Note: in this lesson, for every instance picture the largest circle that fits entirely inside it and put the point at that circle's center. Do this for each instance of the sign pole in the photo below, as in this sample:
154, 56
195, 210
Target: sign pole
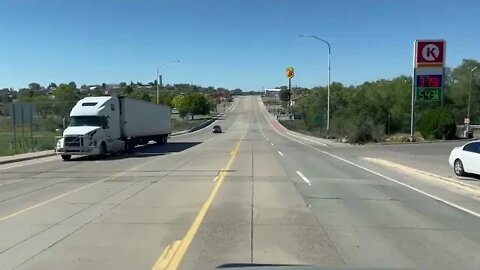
290, 97
22, 121
31, 125
290, 73
412, 109
14, 127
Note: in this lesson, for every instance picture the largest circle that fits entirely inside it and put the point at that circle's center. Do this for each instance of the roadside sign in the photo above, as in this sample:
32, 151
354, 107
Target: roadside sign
466, 121
429, 53
290, 72
429, 61
22, 113
428, 74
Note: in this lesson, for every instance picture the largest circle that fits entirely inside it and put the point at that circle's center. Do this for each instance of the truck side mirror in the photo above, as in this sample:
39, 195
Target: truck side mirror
65, 122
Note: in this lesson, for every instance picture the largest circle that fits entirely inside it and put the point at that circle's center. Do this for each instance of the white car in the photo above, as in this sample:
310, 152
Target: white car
466, 159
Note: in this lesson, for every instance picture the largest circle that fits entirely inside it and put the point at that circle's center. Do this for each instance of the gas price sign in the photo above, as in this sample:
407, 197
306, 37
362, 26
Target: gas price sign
428, 94
429, 87
429, 81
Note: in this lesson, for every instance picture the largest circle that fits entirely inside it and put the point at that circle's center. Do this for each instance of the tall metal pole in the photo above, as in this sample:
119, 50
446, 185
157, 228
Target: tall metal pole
158, 89
412, 109
470, 97
328, 92
328, 86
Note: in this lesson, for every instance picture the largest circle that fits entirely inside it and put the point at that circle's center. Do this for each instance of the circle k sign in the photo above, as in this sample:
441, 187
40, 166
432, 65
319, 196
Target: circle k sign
429, 53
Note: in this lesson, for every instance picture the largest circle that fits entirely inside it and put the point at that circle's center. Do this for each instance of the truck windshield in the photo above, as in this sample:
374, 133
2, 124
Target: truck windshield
95, 121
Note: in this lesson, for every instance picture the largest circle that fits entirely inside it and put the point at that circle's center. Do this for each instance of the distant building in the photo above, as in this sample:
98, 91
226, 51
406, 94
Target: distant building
272, 92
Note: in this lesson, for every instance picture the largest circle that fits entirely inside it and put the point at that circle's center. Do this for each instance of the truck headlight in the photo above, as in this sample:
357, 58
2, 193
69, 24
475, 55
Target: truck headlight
60, 143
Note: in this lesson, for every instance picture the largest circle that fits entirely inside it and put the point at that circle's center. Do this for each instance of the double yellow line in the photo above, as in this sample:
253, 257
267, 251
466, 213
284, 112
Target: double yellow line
173, 254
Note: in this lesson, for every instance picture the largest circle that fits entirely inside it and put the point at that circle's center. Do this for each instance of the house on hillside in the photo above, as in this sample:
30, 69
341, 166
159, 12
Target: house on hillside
296, 98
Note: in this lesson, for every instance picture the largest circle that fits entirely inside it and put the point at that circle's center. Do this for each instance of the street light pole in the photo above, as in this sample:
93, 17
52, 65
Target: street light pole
158, 76
328, 86
470, 97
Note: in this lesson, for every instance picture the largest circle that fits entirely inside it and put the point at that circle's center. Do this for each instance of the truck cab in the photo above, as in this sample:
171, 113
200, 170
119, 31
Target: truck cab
93, 128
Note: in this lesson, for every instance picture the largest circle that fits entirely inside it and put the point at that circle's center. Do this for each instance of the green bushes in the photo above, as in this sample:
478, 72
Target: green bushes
437, 124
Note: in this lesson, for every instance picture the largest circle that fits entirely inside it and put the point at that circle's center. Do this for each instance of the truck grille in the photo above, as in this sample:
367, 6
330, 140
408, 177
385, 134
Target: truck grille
73, 141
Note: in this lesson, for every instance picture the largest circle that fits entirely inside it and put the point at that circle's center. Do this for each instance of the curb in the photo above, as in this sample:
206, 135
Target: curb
178, 133
422, 142
26, 158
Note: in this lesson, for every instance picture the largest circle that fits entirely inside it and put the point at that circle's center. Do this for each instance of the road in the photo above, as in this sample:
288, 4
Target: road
250, 194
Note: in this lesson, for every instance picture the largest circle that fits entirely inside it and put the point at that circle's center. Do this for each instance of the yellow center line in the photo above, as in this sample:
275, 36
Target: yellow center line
173, 254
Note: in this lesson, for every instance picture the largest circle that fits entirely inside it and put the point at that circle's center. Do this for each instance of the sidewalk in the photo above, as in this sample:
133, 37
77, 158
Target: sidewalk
280, 128
26, 156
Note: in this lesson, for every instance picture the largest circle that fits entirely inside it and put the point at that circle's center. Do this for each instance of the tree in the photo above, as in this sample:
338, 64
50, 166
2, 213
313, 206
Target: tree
34, 86
5, 96
199, 104
192, 104
73, 85
52, 85
43, 104
284, 95
24, 95
65, 97
104, 86
127, 90
180, 103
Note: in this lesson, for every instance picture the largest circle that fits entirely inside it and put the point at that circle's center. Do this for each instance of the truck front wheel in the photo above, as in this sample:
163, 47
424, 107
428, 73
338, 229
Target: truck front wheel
103, 150
66, 157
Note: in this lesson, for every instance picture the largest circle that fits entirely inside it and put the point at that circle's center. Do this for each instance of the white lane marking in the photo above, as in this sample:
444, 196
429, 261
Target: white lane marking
307, 139
454, 205
271, 144
304, 178
280, 153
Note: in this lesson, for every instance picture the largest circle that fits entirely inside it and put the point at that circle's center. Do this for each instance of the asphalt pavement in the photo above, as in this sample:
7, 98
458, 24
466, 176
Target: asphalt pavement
253, 194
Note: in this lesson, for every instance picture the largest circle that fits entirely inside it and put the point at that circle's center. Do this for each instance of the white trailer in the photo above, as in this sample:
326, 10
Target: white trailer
100, 125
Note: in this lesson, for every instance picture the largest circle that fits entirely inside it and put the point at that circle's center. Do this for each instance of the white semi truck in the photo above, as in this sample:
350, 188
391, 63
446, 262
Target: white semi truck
101, 125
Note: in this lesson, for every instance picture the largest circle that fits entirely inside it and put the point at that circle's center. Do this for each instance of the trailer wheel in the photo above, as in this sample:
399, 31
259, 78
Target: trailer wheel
66, 157
128, 146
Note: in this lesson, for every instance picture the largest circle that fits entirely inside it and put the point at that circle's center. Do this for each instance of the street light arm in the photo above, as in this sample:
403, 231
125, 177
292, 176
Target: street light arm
168, 62
317, 38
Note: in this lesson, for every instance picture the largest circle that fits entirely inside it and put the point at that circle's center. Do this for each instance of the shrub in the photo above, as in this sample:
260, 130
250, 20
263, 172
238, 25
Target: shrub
437, 124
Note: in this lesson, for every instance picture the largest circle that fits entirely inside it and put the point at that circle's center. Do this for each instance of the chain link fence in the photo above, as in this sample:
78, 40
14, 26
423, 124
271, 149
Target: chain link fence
40, 135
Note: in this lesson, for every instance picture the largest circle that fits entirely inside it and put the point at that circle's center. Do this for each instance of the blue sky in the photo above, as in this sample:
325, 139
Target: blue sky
229, 43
